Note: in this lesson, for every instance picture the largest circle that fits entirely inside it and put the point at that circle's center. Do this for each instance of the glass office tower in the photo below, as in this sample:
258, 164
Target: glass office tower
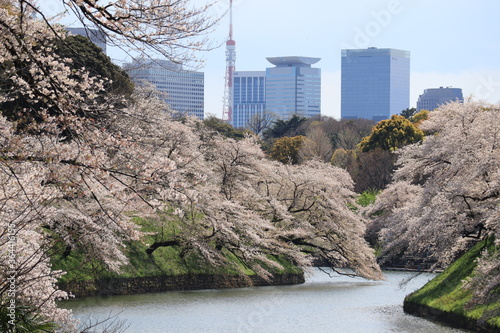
184, 88
375, 83
249, 99
432, 98
96, 36
293, 87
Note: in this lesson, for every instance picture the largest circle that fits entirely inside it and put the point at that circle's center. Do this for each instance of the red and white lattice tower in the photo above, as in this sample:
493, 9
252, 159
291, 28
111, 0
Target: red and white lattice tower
227, 111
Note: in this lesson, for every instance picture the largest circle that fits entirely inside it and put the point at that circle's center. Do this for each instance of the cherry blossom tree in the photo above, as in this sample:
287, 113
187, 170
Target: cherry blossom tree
446, 190
76, 167
240, 202
70, 170
172, 29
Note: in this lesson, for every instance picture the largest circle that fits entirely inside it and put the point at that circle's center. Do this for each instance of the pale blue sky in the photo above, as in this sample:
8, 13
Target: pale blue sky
452, 43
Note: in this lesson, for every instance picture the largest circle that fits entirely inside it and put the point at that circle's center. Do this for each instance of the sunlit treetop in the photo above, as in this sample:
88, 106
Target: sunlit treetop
392, 134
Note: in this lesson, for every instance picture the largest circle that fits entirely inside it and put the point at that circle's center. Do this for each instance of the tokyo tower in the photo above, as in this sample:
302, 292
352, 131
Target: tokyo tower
227, 111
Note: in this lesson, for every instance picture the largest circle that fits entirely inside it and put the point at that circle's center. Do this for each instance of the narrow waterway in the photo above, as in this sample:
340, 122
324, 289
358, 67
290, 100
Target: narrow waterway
323, 304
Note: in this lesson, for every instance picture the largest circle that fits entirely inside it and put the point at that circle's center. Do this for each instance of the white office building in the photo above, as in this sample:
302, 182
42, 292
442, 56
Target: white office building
184, 88
435, 97
293, 87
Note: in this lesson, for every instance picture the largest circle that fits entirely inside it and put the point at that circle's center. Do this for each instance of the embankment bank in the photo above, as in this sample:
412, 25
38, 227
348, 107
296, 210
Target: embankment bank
444, 298
169, 268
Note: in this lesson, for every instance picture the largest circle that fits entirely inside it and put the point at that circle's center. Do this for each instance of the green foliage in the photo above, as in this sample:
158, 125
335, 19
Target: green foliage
86, 54
281, 128
446, 292
408, 113
82, 53
391, 134
170, 260
326, 134
367, 197
286, 149
26, 320
415, 117
419, 117
223, 128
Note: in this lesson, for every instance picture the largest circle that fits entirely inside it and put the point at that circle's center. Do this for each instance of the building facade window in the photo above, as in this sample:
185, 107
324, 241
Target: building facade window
435, 97
293, 87
184, 89
375, 83
248, 97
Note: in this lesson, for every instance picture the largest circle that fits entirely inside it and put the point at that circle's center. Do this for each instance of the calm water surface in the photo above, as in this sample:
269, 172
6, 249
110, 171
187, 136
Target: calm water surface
322, 304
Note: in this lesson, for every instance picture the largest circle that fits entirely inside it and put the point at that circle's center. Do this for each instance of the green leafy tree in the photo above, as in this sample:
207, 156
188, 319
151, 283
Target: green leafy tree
281, 128
86, 54
78, 53
286, 149
408, 113
223, 128
418, 118
367, 197
391, 134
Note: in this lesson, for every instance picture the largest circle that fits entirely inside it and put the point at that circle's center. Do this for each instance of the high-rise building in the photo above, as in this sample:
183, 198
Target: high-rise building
375, 83
96, 36
433, 98
293, 87
248, 97
184, 88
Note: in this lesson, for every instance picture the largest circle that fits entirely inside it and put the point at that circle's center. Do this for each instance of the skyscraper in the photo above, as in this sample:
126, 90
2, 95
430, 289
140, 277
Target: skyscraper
432, 98
184, 88
248, 97
375, 83
293, 87
96, 36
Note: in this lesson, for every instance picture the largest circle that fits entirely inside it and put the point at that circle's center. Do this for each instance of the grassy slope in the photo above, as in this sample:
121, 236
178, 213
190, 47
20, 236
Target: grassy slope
445, 292
164, 261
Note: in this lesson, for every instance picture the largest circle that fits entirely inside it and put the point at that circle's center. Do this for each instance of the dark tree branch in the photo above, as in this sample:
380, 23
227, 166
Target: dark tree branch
156, 245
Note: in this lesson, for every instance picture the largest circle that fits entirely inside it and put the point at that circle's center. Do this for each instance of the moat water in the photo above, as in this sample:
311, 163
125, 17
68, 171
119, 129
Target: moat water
322, 304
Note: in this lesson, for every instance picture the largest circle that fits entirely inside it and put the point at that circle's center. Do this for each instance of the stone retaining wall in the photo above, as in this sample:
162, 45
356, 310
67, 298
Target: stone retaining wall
140, 285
